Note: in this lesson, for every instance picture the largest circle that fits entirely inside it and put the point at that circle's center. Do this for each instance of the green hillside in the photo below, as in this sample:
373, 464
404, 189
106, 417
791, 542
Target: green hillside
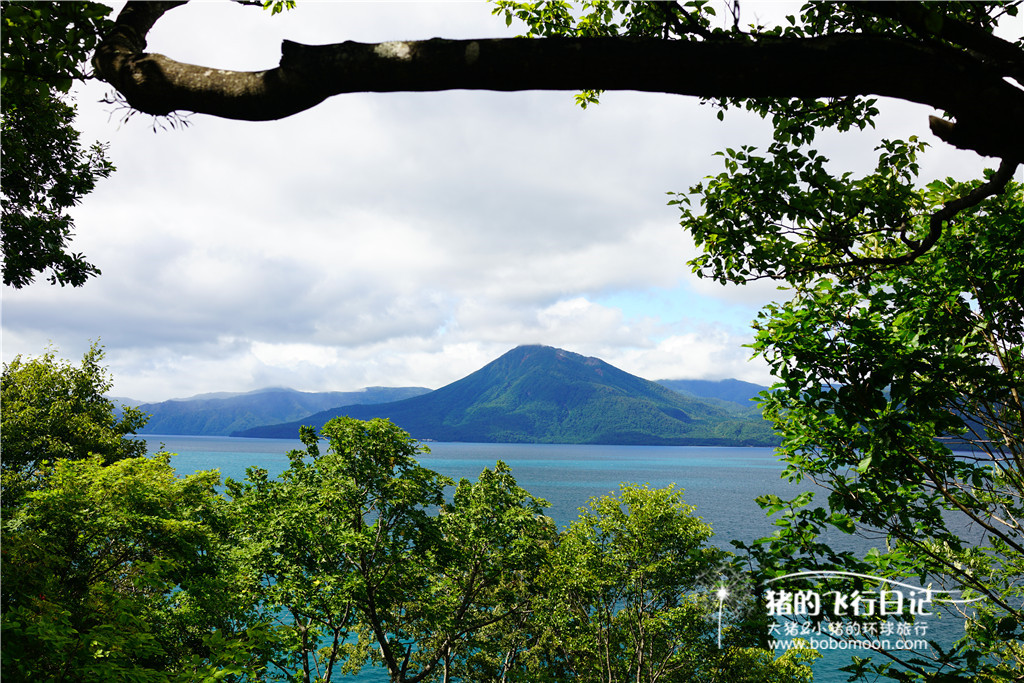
539, 394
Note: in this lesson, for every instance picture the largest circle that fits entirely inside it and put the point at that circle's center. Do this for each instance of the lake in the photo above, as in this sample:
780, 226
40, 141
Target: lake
721, 482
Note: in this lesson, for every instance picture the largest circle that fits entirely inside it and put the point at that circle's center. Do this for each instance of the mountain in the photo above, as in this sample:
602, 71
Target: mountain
732, 390
221, 414
539, 394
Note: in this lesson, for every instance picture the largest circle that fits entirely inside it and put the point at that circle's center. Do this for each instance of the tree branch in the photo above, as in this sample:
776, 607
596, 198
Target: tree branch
988, 109
925, 21
936, 222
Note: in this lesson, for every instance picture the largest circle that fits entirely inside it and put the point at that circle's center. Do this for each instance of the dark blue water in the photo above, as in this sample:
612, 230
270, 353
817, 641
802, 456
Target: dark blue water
721, 482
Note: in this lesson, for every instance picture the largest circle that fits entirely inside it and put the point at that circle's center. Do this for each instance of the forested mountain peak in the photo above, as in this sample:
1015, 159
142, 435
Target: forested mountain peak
542, 394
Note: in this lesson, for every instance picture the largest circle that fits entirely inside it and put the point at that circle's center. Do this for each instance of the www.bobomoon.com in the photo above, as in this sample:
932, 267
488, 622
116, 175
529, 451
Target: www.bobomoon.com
858, 644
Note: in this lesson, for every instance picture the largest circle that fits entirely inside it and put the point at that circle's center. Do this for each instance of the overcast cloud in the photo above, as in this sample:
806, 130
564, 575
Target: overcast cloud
400, 239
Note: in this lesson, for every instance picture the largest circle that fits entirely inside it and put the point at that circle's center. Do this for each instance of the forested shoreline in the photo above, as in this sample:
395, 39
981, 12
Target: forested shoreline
115, 568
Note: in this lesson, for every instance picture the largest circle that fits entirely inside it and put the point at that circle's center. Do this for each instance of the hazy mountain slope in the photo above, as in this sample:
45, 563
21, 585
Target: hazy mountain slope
732, 390
222, 414
544, 395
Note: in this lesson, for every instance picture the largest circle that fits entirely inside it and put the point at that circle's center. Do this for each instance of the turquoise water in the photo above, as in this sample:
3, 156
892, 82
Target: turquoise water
721, 482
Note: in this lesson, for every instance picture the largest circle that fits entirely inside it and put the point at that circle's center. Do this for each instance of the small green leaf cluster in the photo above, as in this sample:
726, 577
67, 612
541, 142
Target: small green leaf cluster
787, 216
278, 6
32, 55
609, 18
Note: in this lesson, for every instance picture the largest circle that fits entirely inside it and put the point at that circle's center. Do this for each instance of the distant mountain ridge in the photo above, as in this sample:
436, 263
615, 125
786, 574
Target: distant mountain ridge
732, 390
220, 414
540, 394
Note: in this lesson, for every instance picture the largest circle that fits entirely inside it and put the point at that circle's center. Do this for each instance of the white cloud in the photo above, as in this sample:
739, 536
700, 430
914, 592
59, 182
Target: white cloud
399, 239
708, 353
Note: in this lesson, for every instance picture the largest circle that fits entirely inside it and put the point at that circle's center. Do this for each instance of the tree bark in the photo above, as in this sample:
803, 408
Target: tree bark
987, 109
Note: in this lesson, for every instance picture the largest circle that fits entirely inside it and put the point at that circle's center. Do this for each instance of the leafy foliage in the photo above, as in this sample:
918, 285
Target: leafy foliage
631, 596
333, 535
46, 169
356, 556
115, 572
344, 553
900, 363
53, 410
901, 392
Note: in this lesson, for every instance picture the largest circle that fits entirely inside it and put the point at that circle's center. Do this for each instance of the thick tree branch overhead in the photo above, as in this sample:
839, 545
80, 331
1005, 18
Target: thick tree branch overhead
986, 106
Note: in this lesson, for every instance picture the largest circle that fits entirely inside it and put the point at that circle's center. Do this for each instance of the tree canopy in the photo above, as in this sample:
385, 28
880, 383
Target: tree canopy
53, 410
390, 572
900, 393
631, 586
119, 572
46, 170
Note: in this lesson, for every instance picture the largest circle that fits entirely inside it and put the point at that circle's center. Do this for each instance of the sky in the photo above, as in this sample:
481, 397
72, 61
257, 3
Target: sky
402, 239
